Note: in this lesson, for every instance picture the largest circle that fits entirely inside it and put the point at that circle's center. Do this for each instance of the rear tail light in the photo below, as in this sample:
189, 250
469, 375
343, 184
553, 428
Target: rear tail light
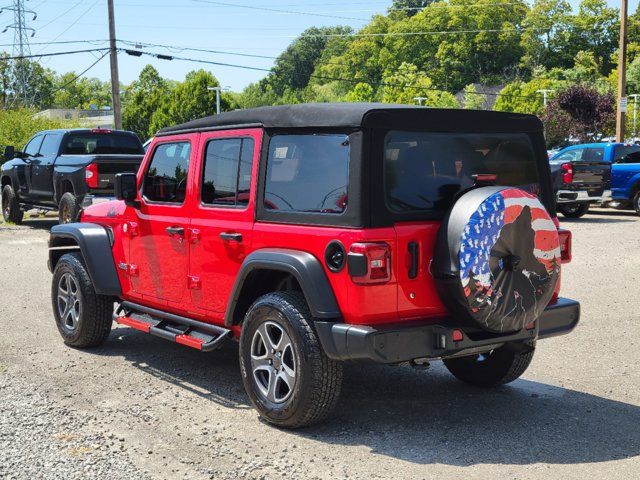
101, 130
567, 175
370, 263
91, 175
565, 245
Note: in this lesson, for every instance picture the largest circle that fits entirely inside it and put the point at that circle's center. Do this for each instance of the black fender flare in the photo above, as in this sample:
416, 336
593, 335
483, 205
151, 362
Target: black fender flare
94, 243
303, 266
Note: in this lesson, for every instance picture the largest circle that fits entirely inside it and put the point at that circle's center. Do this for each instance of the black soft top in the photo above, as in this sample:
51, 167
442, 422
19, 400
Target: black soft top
355, 115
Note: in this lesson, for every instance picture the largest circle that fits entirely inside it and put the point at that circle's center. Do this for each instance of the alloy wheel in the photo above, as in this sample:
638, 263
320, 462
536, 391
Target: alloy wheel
69, 303
273, 363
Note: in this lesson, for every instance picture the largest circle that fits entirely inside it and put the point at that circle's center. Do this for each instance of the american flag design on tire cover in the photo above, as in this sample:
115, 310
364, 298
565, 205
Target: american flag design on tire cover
509, 224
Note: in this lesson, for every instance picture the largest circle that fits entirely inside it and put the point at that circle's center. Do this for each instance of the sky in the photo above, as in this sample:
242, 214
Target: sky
236, 27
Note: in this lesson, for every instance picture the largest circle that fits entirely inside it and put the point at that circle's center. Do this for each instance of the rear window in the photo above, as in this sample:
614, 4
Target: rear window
307, 173
425, 171
89, 143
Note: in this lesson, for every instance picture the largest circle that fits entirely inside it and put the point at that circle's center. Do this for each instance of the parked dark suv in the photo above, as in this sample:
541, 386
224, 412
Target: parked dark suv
315, 234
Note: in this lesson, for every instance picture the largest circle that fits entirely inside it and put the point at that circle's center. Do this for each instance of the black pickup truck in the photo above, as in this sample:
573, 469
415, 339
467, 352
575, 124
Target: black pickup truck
65, 170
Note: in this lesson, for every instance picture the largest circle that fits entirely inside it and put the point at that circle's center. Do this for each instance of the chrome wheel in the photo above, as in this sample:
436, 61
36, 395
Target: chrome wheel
6, 209
273, 363
69, 305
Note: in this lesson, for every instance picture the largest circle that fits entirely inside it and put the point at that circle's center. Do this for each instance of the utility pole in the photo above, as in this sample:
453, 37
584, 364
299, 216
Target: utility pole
545, 92
622, 71
115, 81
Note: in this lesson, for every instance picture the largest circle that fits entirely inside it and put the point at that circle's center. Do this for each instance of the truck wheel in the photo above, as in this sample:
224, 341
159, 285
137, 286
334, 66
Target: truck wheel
574, 210
288, 377
68, 208
497, 367
10, 207
82, 316
636, 203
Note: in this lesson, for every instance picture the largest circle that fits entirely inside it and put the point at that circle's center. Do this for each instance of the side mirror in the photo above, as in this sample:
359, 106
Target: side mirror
9, 152
126, 188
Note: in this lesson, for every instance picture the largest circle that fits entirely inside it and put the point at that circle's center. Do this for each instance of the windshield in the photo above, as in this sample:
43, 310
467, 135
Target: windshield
94, 143
425, 171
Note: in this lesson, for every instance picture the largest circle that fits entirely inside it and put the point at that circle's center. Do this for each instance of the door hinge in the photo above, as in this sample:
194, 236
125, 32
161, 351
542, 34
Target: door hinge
193, 282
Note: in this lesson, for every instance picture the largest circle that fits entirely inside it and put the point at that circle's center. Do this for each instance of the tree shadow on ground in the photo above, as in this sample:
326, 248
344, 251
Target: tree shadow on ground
30, 224
422, 417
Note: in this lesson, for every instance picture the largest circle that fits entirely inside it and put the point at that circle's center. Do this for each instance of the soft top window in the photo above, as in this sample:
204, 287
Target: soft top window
307, 173
425, 171
89, 143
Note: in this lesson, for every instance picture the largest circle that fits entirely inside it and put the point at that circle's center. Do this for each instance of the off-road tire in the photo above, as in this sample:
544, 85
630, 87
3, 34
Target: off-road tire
11, 211
318, 378
95, 317
574, 212
636, 202
500, 366
68, 208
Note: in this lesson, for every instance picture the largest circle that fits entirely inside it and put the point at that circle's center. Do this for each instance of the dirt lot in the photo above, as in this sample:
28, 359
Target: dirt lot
140, 407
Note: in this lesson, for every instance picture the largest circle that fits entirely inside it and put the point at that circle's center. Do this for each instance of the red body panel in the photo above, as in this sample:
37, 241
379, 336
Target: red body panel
194, 276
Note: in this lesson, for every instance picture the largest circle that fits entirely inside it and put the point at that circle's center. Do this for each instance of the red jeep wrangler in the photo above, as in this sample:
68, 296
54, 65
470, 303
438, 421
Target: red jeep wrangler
315, 234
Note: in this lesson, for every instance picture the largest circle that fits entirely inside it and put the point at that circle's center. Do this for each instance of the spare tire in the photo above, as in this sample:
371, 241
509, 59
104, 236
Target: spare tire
497, 259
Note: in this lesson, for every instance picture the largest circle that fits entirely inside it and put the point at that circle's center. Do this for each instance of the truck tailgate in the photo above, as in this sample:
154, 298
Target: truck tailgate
109, 165
592, 176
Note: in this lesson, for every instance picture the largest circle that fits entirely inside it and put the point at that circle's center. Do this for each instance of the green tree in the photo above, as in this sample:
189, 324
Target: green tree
546, 34
407, 83
472, 99
144, 97
596, 29
188, 100
411, 7
362, 92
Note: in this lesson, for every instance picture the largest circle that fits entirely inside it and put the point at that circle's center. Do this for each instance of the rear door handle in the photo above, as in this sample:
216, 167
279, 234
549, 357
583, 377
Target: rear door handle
231, 237
179, 231
414, 258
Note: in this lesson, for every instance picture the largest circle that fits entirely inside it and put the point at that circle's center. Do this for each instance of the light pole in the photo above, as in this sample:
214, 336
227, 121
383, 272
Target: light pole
544, 93
218, 91
420, 100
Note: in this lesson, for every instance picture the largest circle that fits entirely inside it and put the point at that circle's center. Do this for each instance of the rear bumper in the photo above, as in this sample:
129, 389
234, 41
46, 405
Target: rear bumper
403, 343
577, 196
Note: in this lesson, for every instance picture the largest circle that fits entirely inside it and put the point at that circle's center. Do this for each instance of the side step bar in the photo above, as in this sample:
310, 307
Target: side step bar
185, 331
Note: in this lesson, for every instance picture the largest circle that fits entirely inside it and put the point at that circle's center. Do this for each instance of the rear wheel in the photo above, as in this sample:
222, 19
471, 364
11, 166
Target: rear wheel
82, 316
10, 207
68, 208
290, 380
574, 210
497, 367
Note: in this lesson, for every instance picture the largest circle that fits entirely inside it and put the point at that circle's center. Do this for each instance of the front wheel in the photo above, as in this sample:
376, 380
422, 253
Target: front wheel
82, 316
10, 206
574, 210
497, 367
287, 375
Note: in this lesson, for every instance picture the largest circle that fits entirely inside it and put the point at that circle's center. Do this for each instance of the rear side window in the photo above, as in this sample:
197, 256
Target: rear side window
591, 155
90, 143
622, 151
227, 172
425, 171
50, 145
307, 173
166, 177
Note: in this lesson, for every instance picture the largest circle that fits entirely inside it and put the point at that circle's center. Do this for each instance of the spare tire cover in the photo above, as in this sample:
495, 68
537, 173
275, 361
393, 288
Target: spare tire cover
497, 259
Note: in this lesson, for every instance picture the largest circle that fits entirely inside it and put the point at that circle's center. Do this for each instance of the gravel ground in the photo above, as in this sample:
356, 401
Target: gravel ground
140, 407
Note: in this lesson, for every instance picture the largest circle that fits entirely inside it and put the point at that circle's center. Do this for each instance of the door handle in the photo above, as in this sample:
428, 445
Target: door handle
414, 258
179, 231
231, 237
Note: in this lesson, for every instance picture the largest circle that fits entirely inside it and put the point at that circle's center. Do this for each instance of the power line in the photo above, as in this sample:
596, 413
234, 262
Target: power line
39, 55
74, 22
63, 42
60, 16
276, 10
